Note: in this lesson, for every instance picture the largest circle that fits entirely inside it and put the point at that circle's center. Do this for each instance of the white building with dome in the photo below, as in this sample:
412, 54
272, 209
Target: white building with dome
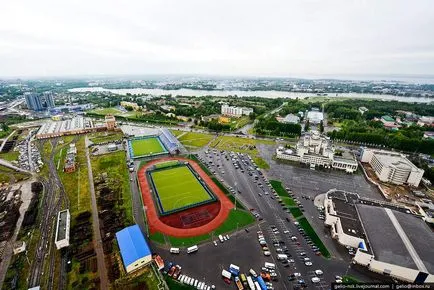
317, 150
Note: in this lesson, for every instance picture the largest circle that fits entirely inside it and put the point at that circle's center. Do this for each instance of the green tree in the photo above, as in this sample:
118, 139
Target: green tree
321, 127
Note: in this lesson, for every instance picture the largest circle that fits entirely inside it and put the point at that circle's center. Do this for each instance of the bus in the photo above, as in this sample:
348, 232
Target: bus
192, 249
261, 283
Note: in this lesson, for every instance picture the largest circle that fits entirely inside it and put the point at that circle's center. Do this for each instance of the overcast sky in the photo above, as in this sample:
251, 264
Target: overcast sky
262, 38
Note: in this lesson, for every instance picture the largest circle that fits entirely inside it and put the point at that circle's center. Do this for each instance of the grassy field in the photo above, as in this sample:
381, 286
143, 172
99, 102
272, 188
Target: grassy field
113, 111
195, 139
239, 144
116, 168
261, 163
10, 156
147, 146
105, 137
350, 279
145, 278
313, 236
298, 214
9, 175
76, 184
178, 187
175, 285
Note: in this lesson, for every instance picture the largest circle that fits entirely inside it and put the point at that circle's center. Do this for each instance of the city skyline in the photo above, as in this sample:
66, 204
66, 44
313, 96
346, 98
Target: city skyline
290, 39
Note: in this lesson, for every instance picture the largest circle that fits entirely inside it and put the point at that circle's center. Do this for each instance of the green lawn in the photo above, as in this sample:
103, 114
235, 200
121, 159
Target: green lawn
147, 146
117, 171
297, 213
10, 156
195, 139
350, 279
261, 163
105, 137
236, 219
239, 144
178, 187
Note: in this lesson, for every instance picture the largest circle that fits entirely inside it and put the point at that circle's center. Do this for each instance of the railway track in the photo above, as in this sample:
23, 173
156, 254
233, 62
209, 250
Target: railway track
54, 197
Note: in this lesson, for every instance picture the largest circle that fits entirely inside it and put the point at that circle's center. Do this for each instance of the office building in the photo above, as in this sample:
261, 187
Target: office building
317, 150
235, 111
392, 167
39, 102
134, 249
33, 102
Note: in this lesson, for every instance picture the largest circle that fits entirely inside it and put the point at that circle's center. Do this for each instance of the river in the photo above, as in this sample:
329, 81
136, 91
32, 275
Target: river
264, 94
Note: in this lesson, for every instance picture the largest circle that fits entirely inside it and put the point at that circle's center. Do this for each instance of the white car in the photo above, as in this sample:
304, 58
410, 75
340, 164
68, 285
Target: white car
319, 272
215, 243
267, 253
308, 263
315, 280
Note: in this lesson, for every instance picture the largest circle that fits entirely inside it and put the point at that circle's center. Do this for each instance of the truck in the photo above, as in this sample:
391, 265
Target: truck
234, 269
226, 274
238, 283
250, 283
261, 283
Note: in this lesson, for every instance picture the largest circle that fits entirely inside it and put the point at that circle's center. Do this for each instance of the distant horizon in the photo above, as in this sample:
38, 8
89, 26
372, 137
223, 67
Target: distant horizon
406, 78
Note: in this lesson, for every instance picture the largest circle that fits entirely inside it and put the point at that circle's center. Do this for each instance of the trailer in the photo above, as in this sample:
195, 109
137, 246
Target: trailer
238, 283
250, 283
226, 274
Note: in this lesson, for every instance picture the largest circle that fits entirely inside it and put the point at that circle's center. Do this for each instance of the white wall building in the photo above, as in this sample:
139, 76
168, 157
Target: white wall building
316, 149
392, 167
235, 111
62, 229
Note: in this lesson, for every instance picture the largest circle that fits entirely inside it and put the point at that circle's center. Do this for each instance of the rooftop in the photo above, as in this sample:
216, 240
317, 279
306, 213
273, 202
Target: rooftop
61, 222
394, 160
132, 244
387, 118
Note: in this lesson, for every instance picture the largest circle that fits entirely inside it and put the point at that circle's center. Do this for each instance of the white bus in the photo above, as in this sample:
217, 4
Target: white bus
270, 265
174, 250
192, 249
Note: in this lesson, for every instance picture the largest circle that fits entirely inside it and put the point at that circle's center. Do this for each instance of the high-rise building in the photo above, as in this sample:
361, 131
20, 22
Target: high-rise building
33, 102
48, 98
38, 102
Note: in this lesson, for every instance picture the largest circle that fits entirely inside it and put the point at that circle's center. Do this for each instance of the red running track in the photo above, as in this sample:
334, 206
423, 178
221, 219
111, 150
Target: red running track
154, 222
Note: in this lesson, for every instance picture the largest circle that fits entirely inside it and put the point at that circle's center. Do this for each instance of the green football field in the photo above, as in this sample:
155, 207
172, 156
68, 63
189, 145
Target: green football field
178, 188
148, 146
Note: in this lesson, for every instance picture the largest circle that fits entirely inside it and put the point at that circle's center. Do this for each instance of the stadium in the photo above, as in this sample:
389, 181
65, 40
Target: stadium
176, 187
159, 144
180, 199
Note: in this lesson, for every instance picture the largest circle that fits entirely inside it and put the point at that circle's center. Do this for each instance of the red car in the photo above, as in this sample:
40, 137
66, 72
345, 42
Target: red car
171, 271
227, 281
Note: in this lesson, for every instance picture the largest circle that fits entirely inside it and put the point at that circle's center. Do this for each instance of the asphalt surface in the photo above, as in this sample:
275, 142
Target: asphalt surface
244, 249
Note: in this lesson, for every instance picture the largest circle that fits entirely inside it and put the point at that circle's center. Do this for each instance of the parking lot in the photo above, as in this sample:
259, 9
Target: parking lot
282, 236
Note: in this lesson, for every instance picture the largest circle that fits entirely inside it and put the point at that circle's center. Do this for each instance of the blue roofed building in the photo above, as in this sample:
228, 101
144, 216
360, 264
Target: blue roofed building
134, 249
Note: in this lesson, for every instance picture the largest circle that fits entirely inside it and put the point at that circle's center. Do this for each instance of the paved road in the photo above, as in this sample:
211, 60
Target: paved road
272, 214
102, 271
11, 166
6, 139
